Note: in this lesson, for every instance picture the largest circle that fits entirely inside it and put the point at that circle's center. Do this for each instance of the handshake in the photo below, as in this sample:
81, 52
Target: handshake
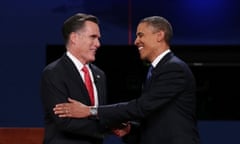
122, 129
76, 109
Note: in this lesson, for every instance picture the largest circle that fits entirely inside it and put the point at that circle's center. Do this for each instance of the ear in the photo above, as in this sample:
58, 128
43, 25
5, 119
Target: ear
160, 35
73, 37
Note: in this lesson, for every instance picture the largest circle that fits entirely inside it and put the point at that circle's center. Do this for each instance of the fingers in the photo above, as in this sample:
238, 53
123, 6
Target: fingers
119, 133
67, 109
65, 115
62, 110
122, 131
62, 105
71, 100
116, 132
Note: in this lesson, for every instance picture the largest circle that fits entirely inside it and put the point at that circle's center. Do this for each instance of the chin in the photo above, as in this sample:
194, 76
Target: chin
92, 59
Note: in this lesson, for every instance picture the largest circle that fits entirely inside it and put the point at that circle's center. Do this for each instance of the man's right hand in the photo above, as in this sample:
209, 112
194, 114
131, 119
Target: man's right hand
72, 109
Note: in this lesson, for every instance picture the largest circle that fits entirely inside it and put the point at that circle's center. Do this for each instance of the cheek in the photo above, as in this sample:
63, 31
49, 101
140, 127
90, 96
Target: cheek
143, 54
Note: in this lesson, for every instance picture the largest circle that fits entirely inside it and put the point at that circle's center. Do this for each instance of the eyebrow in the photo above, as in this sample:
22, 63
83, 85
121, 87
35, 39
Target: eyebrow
139, 33
95, 36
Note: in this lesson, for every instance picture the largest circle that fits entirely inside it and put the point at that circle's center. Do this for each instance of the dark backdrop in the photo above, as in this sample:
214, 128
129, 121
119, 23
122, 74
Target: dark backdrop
216, 69
28, 27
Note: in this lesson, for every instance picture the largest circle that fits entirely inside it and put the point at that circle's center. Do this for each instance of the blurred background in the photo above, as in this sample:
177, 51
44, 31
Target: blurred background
206, 36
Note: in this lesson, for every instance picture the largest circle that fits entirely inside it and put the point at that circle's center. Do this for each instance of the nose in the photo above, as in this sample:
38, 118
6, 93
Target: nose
98, 44
136, 41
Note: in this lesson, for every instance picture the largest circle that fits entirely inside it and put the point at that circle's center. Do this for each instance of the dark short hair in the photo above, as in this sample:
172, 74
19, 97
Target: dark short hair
160, 23
75, 23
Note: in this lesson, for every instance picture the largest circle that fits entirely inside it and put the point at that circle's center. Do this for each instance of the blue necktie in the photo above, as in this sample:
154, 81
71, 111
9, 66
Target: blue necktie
149, 74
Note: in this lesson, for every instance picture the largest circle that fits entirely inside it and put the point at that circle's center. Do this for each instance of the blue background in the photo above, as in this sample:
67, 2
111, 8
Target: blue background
28, 26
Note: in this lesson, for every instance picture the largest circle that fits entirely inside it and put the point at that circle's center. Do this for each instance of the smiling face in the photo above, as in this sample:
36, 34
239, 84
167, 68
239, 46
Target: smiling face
85, 42
148, 41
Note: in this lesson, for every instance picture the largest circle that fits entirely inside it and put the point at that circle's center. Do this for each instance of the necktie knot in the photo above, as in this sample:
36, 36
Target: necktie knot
85, 69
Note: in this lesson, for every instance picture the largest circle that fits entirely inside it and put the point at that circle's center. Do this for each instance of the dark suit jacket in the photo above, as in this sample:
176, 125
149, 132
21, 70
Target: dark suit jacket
166, 106
61, 80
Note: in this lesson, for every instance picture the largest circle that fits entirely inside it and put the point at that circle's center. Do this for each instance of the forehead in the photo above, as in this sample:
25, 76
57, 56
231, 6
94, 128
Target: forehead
144, 28
91, 27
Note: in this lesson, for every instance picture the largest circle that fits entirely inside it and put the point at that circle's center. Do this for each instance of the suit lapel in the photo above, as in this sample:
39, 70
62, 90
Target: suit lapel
76, 78
165, 59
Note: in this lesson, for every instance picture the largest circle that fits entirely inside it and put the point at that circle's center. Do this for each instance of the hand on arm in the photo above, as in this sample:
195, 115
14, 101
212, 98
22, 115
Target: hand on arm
72, 109
76, 109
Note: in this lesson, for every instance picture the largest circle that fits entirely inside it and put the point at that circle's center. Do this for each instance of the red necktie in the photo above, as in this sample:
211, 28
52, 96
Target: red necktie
88, 84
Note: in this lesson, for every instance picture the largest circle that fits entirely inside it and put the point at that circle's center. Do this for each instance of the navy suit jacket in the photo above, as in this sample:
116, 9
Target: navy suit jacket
61, 80
166, 107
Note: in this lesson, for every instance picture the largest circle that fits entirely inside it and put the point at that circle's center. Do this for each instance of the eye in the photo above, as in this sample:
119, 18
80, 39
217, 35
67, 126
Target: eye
140, 35
94, 37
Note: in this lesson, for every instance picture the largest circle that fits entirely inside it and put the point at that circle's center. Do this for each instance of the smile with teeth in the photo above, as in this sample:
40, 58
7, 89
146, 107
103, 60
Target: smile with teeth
139, 48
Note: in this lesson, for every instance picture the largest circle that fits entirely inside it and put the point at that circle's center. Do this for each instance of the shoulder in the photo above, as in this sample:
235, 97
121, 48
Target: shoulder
57, 67
96, 69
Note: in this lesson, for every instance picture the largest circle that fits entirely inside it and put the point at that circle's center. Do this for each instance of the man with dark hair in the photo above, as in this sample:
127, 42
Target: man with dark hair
65, 78
166, 107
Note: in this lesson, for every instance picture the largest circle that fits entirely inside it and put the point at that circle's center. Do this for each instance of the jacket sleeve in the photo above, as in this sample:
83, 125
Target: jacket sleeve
165, 86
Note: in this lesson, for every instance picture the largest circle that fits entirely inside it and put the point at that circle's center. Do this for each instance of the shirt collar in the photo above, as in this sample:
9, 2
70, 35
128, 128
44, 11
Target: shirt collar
158, 58
76, 62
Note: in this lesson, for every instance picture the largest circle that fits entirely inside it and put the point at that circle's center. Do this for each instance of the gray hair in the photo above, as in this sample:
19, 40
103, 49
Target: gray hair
160, 23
